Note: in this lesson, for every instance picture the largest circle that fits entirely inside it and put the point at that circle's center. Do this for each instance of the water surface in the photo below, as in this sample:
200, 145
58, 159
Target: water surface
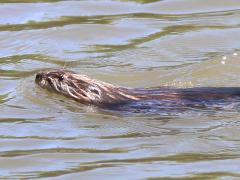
140, 43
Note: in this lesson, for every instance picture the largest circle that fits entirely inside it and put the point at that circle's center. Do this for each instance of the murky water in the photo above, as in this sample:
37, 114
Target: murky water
139, 43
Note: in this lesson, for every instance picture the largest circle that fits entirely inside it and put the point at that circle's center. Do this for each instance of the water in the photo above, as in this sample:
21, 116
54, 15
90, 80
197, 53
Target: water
139, 43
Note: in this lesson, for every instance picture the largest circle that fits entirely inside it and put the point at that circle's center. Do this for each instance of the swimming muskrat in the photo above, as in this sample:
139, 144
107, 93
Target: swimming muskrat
94, 92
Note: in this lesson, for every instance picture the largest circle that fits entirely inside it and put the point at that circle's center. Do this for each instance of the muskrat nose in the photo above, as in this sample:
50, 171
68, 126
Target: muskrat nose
38, 77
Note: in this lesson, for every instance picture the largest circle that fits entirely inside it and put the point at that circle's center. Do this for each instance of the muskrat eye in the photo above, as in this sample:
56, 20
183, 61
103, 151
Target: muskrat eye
60, 78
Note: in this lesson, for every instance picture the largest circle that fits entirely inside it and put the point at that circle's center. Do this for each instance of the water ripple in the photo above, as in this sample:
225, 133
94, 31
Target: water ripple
137, 43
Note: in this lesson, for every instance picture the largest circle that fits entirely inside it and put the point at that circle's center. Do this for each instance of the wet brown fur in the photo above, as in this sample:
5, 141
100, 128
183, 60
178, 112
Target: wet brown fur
82, 88
94, 92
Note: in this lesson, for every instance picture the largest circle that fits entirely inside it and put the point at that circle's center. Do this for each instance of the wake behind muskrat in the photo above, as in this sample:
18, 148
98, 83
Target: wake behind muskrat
90, 91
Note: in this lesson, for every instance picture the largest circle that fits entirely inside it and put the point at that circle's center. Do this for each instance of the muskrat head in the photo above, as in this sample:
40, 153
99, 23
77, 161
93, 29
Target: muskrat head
77, 86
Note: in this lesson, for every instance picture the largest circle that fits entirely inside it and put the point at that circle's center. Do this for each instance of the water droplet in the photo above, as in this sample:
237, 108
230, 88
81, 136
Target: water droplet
224, 57
235, 54
223, 62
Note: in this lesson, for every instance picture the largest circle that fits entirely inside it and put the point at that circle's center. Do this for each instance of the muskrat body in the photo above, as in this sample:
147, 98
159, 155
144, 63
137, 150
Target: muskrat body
93, 92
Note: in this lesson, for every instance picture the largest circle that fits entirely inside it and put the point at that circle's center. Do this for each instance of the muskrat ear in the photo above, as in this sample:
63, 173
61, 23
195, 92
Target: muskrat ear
94, 90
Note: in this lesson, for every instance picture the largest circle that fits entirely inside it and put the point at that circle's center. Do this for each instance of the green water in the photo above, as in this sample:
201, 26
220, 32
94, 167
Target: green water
136, 43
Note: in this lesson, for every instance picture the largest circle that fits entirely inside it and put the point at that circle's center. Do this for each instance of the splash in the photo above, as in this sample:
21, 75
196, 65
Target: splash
224, 58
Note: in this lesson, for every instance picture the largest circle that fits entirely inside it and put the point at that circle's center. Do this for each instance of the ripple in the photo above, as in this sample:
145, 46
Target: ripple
139, 43
5, 98
63, 21
26, 1
55, 151
22, 120
176, 158
213, 175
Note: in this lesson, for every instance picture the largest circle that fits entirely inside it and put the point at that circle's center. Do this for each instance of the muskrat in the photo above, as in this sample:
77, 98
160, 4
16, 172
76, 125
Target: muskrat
101, 94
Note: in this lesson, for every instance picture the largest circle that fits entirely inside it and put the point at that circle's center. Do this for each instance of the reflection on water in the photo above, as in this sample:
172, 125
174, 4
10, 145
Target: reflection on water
140, 43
